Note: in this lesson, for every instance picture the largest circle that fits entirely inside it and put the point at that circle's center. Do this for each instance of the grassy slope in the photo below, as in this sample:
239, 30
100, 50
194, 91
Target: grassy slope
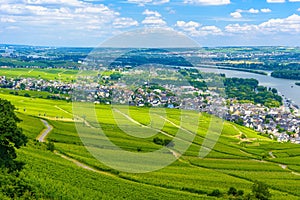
57, 178
231, 163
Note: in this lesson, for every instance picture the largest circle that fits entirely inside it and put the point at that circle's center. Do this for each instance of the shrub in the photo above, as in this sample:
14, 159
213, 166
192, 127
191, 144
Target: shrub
215, 193
232, 191
50, 146
261, 191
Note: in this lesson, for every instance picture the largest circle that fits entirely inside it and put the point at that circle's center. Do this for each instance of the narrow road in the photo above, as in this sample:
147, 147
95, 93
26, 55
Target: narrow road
84, 166
80, 118
42, 136
271, 154
177, 155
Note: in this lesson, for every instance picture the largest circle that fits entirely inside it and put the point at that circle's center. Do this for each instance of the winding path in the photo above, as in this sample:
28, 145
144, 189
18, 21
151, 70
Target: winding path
42, 136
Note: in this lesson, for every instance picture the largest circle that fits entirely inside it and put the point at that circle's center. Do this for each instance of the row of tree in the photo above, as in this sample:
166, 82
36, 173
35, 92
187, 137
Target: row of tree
287, 74
13, 184
249, 90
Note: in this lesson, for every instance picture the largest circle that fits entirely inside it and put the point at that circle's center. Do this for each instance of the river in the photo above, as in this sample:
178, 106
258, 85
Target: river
285, 87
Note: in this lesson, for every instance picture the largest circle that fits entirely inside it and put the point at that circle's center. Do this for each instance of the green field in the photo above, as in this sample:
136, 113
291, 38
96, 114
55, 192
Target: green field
231, 163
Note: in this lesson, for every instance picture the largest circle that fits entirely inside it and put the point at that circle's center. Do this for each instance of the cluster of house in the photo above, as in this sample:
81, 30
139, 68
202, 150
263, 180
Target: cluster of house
282, 123
52, 86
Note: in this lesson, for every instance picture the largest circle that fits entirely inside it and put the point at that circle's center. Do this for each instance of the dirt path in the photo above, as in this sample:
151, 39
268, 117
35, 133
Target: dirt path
138, 123
82, 165
78, 117
271, 154
42, 136
177, 155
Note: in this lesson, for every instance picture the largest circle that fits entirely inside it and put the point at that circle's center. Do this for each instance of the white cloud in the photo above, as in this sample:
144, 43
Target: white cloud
210, 30
289, 25
253, 11
55, 2
188, 27
153, 18
150, 12
145, 2
193, 28
236, 15
50, 19
153, 21
190, 24
275, 1
124, 22
237, 28
265, 10
208, 2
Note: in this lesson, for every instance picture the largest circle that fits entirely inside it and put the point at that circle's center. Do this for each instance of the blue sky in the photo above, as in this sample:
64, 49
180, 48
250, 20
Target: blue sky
209, 22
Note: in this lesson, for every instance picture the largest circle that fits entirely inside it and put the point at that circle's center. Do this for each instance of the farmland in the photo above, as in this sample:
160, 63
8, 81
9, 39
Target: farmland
233, 162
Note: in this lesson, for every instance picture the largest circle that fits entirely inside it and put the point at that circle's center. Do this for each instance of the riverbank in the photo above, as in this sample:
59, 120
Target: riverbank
284, 86
234, 69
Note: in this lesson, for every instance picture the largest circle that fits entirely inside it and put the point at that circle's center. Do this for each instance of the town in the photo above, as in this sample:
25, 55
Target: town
281, 123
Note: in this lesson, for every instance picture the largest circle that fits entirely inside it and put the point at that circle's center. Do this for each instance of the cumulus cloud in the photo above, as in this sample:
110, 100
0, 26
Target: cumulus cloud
190, 27
237, 28
208, 2
210, 30
145, 2
193, 28
265, 10
289, 25
150, 12
236, 15
275, 1
124, 22
82, 12
52, 20
54, 2
253, 11
153, 19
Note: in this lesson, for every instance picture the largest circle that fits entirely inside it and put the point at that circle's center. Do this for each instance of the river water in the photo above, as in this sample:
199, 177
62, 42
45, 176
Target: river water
286, 88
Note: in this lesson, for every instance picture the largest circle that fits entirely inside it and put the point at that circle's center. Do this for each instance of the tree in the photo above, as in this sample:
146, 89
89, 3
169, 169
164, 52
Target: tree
261, 191
215, 193
11, 136
232, 191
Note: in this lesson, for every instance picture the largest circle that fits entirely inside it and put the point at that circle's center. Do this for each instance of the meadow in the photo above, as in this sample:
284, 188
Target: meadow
233, 162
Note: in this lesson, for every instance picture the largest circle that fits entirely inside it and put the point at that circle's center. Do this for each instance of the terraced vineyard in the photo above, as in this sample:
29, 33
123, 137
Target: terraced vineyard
233, 162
